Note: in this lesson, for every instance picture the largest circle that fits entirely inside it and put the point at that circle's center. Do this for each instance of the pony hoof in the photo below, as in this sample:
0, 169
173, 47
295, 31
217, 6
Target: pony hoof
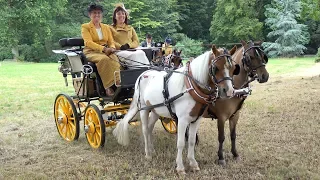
237, 158
222, 162
148, 157
195, 169
181, 172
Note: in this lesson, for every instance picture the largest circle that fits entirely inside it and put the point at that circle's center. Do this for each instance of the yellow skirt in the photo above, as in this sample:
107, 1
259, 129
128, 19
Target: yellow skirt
106, 65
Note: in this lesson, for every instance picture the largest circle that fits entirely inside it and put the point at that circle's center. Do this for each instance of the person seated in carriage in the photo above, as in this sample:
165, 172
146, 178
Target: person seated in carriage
99, 47
166, 47
126, 38
148, 42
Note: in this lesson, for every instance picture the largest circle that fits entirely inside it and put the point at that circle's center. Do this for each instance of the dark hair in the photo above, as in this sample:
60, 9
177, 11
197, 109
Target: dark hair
118, 9
94, 6
148, 36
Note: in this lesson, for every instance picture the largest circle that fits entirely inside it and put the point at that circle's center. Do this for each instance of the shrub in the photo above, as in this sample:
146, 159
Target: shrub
190, 47
5, 53
318, 56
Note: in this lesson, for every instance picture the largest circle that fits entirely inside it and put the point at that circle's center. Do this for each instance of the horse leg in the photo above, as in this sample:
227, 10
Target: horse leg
192, 141
152, 120
144, 121
232, 125
221, 138
182, 126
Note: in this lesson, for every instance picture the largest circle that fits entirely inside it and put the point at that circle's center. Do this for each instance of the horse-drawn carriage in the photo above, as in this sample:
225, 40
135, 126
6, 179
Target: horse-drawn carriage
90, 102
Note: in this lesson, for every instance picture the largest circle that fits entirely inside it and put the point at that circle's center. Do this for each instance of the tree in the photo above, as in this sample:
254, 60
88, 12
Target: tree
288, 35
28, 22
195, 18
311, 9
159, 18
235, 20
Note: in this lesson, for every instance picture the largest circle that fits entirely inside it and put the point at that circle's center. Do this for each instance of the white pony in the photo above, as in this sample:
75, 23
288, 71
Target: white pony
148, 92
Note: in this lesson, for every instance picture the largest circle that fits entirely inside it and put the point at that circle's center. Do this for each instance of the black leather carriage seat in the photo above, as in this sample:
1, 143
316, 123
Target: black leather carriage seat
69, 42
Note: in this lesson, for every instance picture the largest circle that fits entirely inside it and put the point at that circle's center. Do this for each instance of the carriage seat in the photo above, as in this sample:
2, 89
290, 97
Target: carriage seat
69, 42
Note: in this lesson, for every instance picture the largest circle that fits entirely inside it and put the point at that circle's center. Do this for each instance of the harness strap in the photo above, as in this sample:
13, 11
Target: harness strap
196, 92
164, 103
166, 95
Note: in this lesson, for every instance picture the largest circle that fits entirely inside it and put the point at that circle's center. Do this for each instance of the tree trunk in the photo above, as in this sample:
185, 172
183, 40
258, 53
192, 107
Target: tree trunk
15, 53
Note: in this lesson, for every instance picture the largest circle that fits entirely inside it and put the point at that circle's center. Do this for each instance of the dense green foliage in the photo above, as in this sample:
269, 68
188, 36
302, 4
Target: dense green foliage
31, 29
235, 20
189, 47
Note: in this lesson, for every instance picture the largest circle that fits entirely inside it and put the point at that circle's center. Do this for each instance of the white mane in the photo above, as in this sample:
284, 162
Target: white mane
199, 67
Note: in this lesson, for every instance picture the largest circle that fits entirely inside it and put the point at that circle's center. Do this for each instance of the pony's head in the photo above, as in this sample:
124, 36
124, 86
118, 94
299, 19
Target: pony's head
176, 61
254, 61
221, 70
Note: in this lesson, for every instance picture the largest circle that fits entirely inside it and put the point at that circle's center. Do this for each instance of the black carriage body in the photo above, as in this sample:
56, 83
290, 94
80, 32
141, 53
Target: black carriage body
91, 87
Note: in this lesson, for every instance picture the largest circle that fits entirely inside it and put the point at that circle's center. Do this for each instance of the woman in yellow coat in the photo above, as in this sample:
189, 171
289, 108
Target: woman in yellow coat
99, 46
125, 37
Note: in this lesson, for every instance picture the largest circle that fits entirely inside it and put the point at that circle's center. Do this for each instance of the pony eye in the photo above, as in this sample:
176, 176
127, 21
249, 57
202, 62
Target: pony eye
215, 70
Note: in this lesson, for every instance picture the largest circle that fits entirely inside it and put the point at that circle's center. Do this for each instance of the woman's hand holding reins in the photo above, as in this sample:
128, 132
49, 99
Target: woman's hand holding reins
108, 51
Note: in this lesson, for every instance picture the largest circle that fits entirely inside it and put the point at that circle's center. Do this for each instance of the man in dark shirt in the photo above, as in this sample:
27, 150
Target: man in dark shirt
148, 42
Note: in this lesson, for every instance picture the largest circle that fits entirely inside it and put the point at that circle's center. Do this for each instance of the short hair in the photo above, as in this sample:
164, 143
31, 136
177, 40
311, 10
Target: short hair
148, 36
118, 9
94, 6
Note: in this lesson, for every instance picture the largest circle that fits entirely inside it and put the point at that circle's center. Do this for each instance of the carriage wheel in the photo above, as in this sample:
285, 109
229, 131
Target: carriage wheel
66, 117
94, 126
169, 125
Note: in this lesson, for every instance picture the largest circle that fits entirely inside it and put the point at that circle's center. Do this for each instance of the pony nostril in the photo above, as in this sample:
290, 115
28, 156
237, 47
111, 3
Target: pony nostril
263, 77
224, 90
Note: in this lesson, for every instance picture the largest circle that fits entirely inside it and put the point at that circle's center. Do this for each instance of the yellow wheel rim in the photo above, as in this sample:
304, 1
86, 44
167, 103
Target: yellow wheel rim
93, 128
65, 118
169, 125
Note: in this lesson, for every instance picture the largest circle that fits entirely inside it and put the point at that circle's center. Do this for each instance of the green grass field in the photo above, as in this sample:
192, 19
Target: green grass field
281, 66
278, 133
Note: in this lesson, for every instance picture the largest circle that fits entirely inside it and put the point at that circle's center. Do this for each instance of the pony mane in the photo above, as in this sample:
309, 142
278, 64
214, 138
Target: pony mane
199, 67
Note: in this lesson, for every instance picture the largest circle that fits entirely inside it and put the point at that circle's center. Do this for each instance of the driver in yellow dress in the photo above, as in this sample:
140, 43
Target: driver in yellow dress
99, 47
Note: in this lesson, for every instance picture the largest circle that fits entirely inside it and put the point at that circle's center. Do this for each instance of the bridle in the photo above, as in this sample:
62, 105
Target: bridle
193, 85
212, 68
246, 60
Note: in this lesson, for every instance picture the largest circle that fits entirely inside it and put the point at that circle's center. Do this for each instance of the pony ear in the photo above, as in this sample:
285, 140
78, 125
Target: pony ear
215, 50
180, 52
233, 50
258, 43
244, 43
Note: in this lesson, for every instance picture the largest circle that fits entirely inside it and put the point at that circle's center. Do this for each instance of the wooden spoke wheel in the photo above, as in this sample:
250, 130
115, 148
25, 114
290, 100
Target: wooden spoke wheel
94, 126
169, 125
66, 117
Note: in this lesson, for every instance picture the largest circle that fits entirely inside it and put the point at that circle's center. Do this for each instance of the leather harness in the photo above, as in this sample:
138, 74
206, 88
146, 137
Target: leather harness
192, 88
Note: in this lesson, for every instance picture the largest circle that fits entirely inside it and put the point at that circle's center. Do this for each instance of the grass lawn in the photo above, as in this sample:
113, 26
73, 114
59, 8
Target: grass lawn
278, 133
281, 66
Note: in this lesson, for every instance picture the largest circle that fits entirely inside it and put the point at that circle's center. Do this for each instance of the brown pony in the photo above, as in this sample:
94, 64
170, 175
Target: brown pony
252, 61
173, 60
